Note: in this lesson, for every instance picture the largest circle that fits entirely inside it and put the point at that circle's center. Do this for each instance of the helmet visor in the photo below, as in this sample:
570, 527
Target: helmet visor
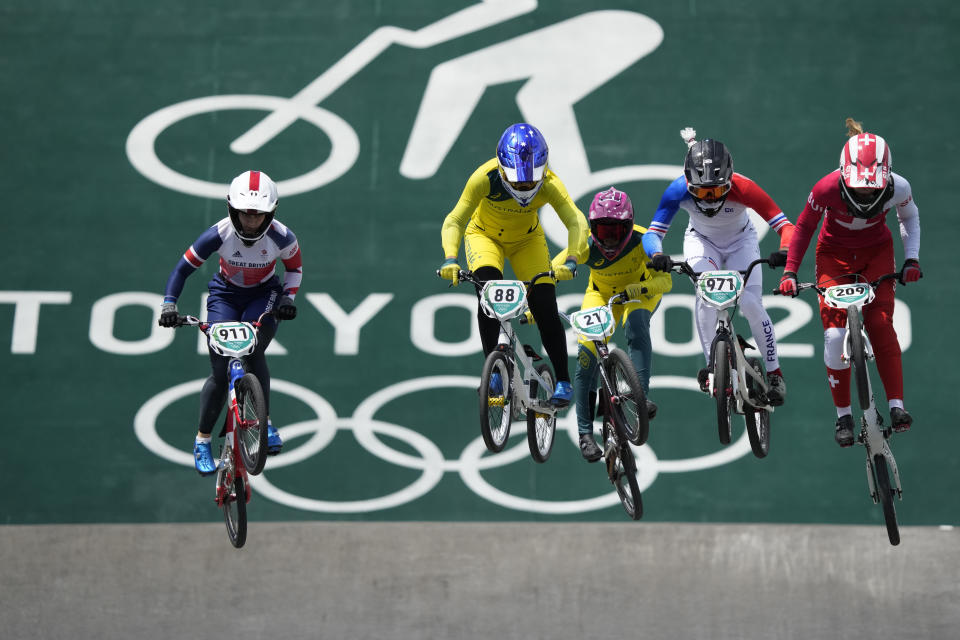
709, 193
609, 234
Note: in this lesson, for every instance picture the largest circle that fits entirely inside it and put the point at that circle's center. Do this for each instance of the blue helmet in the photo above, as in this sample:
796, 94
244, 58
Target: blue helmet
522, 156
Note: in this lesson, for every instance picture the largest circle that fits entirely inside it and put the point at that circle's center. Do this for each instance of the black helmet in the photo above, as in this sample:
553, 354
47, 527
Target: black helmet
708, 168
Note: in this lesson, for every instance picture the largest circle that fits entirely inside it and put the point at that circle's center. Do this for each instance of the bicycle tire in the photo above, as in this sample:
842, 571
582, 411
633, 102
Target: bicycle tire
495, 411
622, 469
721, 381
757, 420
252, 426
885, 494
235, 513
858, 357
541, 428
632, 399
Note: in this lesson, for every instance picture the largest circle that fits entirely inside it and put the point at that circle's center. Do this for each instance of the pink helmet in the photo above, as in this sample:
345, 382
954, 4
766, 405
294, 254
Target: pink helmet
611, 221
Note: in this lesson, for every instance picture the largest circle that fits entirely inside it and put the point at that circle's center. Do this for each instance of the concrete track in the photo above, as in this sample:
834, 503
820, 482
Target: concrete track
478, 580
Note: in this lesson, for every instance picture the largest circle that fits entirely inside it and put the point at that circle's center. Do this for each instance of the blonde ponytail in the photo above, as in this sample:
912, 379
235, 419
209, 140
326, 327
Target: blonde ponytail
854, 128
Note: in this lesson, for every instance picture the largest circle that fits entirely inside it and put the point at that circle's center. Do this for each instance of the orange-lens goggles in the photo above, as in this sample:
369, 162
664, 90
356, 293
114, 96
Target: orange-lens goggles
709, 193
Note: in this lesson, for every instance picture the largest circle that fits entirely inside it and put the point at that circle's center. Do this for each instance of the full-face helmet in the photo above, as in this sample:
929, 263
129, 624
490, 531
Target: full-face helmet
708, 168
611, 221
255, 193
865, 181
522, 156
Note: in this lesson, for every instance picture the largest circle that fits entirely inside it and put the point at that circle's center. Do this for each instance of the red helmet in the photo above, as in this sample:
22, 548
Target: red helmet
611, 221
865, 163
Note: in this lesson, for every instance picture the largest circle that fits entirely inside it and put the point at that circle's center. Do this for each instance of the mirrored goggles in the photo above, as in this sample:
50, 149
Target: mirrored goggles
709, 193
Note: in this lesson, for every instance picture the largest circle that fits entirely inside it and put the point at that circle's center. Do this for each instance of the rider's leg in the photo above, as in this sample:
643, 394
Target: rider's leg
637, 329
543, 306
830, 265
263, 299
489, 327
702, 255
585, 385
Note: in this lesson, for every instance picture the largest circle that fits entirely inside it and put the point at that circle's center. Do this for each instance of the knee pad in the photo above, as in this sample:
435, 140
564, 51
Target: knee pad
833, 348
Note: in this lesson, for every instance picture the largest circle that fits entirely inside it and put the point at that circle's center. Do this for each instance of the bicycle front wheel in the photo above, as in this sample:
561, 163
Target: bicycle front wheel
235, 511
757, 420
858, 354
622, 467
630, 396
723, 390
541, 427
495, 401
881, 477
252, 425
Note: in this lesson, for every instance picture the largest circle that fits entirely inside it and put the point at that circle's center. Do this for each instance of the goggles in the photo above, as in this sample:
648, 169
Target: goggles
709, 193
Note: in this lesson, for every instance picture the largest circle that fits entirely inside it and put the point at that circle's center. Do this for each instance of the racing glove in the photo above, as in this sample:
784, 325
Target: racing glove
169, 314
450, 270
566, 271
635, 291
911, 271
661, 262
788, 284
778, 259
286, 310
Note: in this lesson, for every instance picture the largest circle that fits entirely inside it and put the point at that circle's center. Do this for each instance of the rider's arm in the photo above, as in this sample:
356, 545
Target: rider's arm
757, 199
456, 221
909, 217
192, 259
292, 266
807, 223
669, 205
571, 217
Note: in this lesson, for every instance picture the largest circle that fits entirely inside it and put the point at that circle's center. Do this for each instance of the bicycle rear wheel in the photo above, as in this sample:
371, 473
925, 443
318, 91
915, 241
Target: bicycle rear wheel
758, 420
723, 390
495, 405
858, 355
631, 399
621, 466
252, 425
541, 427
234, 507
881, 477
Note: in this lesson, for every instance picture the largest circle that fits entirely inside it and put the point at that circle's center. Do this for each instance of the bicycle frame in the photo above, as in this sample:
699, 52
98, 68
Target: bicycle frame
521, 356
873, 435
740, 368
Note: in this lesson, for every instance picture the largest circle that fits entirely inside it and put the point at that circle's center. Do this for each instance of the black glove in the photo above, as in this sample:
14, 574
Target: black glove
169, 317
661, 262
778, 259
286, 310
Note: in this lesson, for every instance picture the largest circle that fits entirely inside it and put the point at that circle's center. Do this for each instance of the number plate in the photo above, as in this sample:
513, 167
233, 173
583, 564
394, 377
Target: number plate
720, 289
504, 299
844, 295
593, 324
232, 338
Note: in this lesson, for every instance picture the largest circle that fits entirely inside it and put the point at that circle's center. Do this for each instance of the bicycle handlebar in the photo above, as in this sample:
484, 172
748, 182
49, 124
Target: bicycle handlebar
467, 276
801, 286
684, 267
194, 321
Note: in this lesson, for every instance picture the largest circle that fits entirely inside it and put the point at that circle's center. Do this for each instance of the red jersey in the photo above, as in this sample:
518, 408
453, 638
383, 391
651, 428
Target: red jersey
840, 229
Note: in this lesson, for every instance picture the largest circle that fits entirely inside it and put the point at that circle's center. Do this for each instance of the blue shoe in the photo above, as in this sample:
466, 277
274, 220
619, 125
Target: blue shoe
562, 394
203, 458
274, 441
496, 384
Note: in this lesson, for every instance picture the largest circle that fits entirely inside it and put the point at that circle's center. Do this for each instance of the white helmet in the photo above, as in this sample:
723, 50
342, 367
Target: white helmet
252, 191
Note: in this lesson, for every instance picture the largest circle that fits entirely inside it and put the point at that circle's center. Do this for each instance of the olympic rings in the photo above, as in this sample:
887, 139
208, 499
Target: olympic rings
470, 465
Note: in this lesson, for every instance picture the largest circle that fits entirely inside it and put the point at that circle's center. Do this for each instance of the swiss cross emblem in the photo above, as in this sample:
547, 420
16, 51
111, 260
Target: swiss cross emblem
833, 381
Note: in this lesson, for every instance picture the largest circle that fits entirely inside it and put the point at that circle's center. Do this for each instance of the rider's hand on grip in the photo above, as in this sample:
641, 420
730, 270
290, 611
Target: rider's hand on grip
778, 259
450, 270
527, 318
788, 284
169, 317
566, 271
911, 271
635, 291
660, 262
286, 310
